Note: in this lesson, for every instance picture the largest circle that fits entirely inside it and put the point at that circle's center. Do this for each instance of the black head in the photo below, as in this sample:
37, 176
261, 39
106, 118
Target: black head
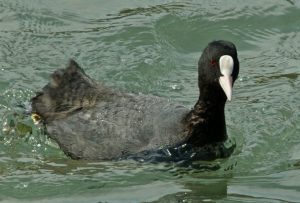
218, 68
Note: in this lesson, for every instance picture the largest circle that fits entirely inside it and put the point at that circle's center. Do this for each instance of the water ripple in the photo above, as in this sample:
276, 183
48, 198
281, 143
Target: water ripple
153, 47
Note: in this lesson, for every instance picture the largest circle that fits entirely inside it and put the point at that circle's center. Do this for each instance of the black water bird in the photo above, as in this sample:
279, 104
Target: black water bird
91, 121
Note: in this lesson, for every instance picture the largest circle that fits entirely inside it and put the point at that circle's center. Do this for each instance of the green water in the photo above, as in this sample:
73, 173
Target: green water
153, 47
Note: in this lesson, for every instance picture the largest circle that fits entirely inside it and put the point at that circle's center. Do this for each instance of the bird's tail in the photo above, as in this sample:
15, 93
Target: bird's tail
69, 90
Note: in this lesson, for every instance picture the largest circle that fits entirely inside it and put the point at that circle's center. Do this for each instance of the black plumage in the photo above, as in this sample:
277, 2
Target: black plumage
91, 121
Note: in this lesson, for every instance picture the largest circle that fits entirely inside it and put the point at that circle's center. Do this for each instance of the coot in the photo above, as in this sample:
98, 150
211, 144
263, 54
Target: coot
91, 121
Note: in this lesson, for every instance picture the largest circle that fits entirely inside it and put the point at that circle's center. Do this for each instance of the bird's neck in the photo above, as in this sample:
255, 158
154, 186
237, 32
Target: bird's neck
205, 123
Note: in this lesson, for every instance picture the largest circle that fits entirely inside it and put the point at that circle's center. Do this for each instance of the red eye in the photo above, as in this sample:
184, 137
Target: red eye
213, 62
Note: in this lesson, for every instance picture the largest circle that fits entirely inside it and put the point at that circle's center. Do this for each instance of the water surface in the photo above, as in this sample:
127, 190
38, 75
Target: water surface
153, 47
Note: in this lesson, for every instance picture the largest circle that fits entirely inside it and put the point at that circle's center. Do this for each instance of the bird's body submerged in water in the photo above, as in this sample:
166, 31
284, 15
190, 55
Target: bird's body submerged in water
94, 122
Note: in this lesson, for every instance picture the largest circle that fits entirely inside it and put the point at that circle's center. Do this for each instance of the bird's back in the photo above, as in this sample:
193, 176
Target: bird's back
91, 121
126, 124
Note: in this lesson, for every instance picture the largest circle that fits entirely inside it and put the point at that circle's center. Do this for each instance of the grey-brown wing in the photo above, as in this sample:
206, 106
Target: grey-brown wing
131, 124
